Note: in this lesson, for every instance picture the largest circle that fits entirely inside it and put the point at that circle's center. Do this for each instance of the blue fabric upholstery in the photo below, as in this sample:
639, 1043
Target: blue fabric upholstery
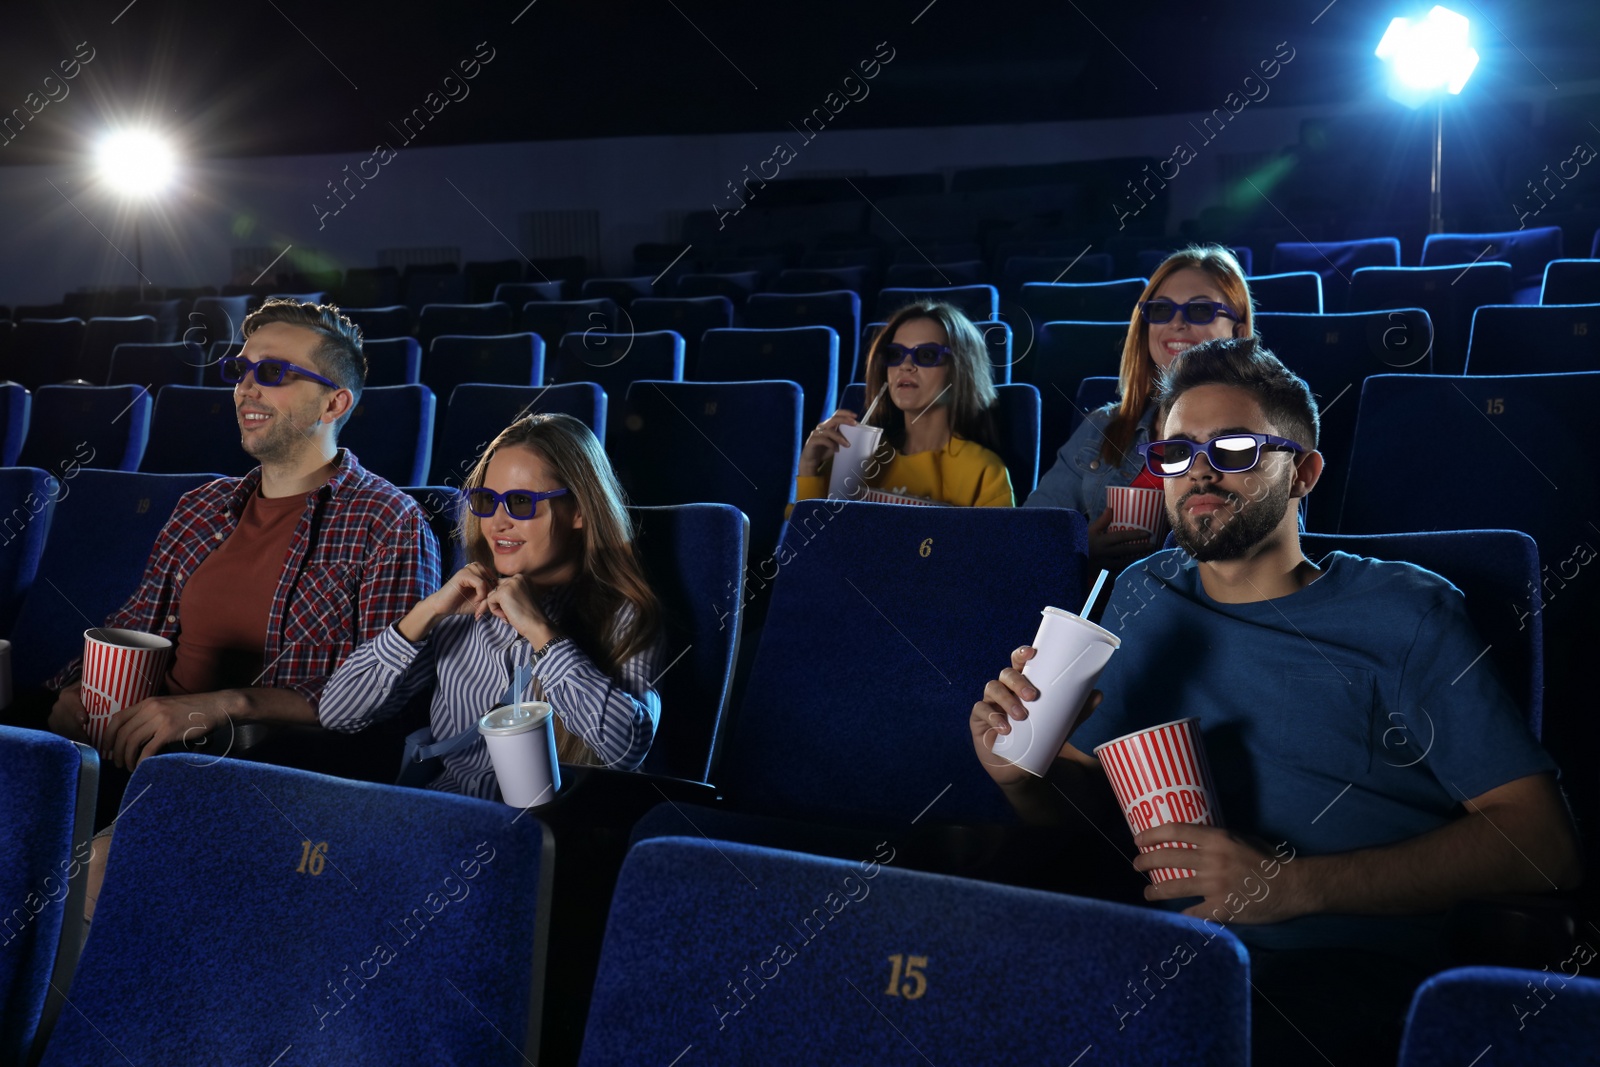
624, 291
689, 317
1465, 1017
219, 318
805, 354
1571, 281
1016, 424
47, 790
1335, 354
1149, 259
1111, 301
615, 361
476, 412
455, 891
997, 338
797, 280
1449, 295
980, 303
394, 320
393, 361
1064, 354
1493, 569
737, 286
1526, 250
838, 308
44, 351
168, 315
1530, 339
463, 320
156, 365
1094, 393
732, 443
102, 335
391, 432
855, 598
103, 426
694, 557
111, 517
195, 426
1298, 291
1017, 271
554, 319
16, 411
935, 275
509, 359
669, 980
519, 293
1336, 261
442, 505
27, 499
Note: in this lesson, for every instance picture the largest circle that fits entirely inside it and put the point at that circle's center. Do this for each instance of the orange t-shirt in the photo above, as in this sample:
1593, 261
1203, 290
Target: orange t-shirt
226, 605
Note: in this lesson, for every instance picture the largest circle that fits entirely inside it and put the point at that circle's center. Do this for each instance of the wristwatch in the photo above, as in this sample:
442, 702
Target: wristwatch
540, 652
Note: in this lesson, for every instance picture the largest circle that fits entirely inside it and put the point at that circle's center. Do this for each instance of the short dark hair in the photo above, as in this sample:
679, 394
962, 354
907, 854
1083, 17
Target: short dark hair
1245, 363
339, 352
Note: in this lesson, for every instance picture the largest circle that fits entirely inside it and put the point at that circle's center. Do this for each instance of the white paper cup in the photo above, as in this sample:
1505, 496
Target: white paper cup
1138, 509
852, 464
1160, 775
120, 668
5, 674
1071, 653
522, 747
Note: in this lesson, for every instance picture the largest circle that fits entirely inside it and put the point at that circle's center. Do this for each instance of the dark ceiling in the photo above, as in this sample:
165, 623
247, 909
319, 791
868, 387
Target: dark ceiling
270, 77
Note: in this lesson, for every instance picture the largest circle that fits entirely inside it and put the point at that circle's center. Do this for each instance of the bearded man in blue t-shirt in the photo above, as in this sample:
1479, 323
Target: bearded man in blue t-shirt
1296, 670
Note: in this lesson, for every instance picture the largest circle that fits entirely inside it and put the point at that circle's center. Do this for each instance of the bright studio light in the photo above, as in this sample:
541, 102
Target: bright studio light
136, 162
1430, 53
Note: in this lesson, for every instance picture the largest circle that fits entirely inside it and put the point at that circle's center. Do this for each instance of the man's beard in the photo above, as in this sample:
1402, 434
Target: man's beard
1228, 534
285, 436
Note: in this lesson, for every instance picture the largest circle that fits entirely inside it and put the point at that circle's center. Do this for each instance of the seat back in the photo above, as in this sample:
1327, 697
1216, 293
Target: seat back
980, 303
102, 335
358, 970
1336, 261
935, 275
1065, 353
441, 504
391, 432
509, 359
839, 308
47, 790
1533, 339
694, 557
1450, 296
519, 293
394, 320
155, 365
1297, 291
1095, 393
477, 412
732, 443
45, 351
1018, 271
104, 426
797, 280
463, 320
1526, 250
737, 286
393, 361
689, 317
1083, 302
553, 319
1571, 281
1335, 354
220, 319
27, 499
662, 966
623, 291
808, 355
195, 426
16, 410
1457, 1016
1148, 259
432, 283
929, 603
111, 517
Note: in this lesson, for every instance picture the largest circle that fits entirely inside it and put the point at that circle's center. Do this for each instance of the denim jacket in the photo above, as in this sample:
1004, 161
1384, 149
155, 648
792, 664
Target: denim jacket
1079, 477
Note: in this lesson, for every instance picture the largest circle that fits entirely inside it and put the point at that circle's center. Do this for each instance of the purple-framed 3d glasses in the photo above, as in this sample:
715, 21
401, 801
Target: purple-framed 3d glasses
923, 355
1197, 312
1232, 453
268, 372
520, 504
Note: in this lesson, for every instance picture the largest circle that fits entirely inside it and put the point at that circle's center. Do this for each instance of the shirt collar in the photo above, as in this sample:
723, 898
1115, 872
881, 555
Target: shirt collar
347, 471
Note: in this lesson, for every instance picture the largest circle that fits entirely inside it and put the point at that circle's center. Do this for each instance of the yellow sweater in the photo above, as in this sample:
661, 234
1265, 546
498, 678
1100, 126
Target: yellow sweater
963, 473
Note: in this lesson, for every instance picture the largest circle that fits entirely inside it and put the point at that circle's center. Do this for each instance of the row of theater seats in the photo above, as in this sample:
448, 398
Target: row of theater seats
924, 601
396, 925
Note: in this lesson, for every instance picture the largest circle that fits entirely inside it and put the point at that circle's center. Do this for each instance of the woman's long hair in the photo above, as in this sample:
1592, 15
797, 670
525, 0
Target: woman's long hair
609, 575
1138, 372
970, 396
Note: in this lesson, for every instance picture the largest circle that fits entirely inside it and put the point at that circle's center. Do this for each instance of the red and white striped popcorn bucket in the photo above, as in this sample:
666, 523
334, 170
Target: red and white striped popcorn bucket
1139, 509
120, 668
1160, 775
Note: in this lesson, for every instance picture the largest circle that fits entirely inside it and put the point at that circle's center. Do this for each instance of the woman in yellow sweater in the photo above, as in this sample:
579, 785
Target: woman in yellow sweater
938, 428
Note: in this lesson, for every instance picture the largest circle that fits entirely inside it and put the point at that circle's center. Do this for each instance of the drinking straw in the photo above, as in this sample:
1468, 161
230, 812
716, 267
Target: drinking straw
1094, 594
874, 404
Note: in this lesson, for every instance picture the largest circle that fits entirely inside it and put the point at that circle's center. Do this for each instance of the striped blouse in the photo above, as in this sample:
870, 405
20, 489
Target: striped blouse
471, 662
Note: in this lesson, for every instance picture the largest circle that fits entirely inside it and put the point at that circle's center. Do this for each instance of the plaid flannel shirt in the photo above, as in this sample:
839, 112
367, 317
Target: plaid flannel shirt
360, 558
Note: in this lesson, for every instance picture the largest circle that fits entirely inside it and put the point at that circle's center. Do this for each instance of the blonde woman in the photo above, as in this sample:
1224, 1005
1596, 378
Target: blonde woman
936, 415
553, 584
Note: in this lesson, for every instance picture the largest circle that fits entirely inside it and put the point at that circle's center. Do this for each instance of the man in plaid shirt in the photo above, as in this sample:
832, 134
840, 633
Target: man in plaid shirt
266, 583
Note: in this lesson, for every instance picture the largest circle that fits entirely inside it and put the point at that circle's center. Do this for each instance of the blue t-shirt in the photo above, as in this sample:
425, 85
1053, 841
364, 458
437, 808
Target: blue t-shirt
1354, 713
